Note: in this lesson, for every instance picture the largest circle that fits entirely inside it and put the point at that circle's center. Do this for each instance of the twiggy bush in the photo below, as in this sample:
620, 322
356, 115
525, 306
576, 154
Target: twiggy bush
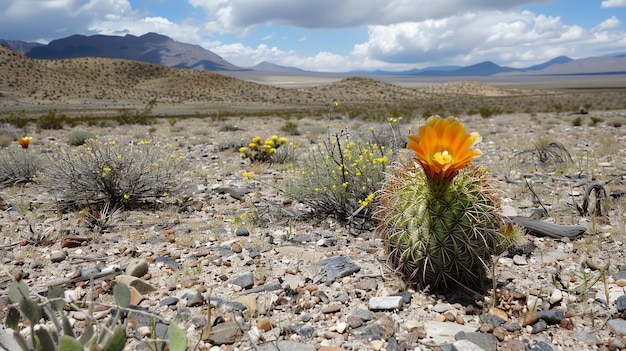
51, 121
119, 174
340, 177
18, 165
78, 137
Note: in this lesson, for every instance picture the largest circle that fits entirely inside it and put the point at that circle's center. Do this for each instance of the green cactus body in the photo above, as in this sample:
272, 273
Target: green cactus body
442, 235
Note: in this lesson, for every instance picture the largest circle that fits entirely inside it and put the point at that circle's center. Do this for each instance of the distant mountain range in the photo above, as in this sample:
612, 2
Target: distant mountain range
163, 50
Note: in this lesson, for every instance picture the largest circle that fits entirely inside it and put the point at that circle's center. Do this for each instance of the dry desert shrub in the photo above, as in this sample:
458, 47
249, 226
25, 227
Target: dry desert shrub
121, 175
18, 165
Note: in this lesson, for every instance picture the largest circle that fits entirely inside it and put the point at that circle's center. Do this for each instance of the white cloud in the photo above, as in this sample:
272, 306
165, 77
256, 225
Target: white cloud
234, 15
607, 4
27, 19
471, 38
608, 24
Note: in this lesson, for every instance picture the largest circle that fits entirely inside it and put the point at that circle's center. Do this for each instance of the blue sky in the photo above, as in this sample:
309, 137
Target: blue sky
342, 35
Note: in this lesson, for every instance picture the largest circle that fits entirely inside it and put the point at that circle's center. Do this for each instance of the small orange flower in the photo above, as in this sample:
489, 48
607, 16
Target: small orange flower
443, 147
25, 141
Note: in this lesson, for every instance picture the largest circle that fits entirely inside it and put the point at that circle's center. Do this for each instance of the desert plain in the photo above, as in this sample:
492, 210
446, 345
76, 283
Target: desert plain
238, 247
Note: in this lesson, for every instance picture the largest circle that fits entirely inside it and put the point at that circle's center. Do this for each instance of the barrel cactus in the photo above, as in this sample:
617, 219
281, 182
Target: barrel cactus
439, 216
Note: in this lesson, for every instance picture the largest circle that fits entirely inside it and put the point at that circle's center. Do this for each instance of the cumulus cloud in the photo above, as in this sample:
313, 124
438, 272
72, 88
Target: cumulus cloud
31, 19
237, 14
607, 4
471, 38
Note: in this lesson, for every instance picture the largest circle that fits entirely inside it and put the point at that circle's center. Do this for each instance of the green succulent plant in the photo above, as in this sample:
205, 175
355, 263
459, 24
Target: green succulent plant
439, 216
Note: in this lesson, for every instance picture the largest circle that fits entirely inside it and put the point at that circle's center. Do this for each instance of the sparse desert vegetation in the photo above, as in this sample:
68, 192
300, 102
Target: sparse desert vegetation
145, 176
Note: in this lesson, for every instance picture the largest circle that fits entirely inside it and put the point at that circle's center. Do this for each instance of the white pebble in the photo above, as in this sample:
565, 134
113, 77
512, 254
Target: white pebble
341, 327
556, 296
144, 330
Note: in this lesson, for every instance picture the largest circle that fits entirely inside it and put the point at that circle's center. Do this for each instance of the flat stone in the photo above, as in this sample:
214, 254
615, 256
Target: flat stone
538, 327
589, 337
336, 267
169, 301
305, 331
332, 308
543, 346
364, 314
520, 260
617, 326
58, 256
137, 268
619, 275
225, 333
285, 345
441, 333
299, 253
386, 303
465, 345
246, 281
407, 296
194, 299
141, 285
265, 287
554, 316
485, 341
168, 261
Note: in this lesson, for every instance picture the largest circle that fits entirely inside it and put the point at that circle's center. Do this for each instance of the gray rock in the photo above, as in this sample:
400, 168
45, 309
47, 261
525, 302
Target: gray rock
227, 305
621, 303
225, 333
168, 261
617, 326
386, 303
58, 256
305, 331
302, 239
265, 287
336, 267
141, 285
589, 337
364, 314
539, 326
137, 268
494, 320
442, 307
617, 344
242, 231
245, 281
465, 345
169, 301
393, 345
285, 345
367, 284
406, 296
554, 316
543, 346
619, 275
194, 299
440, 333
486, 341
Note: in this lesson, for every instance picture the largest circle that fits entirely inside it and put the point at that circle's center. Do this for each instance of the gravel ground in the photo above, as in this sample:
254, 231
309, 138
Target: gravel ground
307, 283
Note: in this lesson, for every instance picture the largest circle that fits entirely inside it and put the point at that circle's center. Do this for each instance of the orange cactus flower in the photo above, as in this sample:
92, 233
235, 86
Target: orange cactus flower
25, 141
443, 147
